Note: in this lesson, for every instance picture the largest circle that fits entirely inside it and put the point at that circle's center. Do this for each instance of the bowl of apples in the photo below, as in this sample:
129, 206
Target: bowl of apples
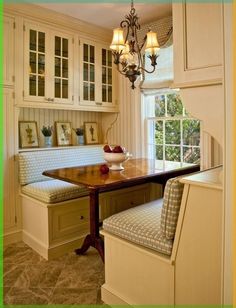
115, 156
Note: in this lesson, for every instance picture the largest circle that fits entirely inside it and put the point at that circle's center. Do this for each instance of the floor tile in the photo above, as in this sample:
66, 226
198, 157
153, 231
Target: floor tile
49, 275
90, 259
30, 296
73, 296
75, 276
11, 273
20, 255
70, 279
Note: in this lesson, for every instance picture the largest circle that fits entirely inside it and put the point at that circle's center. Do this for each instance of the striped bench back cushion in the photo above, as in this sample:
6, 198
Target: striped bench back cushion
32, 164
171, 205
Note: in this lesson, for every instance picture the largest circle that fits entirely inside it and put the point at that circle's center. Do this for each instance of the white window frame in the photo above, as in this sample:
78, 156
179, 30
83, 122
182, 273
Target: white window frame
149, 104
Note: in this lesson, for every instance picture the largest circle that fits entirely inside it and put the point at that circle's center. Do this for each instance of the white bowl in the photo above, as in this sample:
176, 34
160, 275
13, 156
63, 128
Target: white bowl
116, 160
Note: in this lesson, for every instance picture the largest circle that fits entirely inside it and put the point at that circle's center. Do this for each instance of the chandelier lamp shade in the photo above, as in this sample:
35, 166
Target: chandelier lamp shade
128, 53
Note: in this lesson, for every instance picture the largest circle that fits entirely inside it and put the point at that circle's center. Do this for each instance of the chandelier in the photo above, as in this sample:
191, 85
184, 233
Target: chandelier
127, 53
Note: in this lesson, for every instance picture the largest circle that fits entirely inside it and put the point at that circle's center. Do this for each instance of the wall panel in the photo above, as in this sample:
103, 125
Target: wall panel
50, 116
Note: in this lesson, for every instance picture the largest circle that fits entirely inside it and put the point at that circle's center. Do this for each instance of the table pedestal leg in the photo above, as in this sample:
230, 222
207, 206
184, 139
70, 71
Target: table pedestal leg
93, 239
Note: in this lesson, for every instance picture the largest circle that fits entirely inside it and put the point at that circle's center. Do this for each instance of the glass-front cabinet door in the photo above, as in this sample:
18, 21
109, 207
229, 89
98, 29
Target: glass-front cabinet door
63, 69
34, 63
48, 61
88, 74
106, 76
96, 76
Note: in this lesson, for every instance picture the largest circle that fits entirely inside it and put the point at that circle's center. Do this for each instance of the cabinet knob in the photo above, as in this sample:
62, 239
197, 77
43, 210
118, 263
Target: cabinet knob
98, 103
81, 217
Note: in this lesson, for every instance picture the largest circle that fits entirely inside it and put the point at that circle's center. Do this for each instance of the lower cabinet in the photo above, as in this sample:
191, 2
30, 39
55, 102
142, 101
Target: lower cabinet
54, 229
120, 200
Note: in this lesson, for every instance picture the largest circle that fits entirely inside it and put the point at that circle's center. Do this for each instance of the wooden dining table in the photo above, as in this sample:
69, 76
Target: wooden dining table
136, 171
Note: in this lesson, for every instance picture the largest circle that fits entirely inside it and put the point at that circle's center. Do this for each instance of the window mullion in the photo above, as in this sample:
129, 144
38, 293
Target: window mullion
164, 139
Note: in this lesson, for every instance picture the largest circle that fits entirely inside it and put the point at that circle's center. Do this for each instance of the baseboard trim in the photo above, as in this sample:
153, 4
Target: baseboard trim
110, 298
61, 249
36, 245
13, 237
50, 253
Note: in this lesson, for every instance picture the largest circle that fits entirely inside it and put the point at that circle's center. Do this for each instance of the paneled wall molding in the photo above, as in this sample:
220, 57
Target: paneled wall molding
35, 12
13, 237
187, 39
195, 84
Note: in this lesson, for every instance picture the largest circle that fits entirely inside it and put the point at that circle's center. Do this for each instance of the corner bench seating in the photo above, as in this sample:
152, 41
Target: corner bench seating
152, 224
138, 247
55, 214
169, 251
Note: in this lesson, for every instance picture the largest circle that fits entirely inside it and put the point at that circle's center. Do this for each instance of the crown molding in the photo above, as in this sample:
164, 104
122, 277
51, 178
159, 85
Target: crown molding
41, 14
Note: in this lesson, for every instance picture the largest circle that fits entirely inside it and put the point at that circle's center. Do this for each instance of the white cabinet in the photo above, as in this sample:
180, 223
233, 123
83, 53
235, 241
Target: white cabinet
121, 200
97, 77
198, 43
10, 171
8, 51
201, 243
48, 65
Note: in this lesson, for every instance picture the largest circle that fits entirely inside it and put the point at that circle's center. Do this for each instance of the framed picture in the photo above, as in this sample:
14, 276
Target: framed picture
64, 133
91, 132
28, 134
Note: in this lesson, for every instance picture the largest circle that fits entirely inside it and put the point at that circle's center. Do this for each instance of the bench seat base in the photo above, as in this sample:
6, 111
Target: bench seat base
128, 282
54, 229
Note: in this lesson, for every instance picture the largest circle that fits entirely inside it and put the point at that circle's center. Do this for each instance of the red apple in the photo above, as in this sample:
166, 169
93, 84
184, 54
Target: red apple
117, 149
107, 149
104, 169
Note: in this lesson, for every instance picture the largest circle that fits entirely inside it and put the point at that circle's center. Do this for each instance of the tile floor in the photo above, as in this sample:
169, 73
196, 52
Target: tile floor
29, 279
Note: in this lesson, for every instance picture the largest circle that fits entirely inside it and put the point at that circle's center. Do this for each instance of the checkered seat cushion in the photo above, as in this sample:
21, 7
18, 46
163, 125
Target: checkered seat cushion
141, 225
152, 224
54, 191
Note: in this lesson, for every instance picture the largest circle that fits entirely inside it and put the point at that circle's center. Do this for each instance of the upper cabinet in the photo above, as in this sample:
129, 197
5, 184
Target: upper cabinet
48, 65
198, 43
8, 51
97, 77
57, 65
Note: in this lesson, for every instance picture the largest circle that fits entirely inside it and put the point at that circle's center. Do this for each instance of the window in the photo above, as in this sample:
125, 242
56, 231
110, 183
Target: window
173, 136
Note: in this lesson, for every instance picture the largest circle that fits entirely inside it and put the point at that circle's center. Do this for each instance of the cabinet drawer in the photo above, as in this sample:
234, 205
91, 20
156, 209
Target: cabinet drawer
126, 198
68, 220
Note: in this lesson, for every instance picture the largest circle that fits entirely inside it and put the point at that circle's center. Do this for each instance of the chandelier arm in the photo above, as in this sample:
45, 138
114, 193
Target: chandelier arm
149, 72
120, 71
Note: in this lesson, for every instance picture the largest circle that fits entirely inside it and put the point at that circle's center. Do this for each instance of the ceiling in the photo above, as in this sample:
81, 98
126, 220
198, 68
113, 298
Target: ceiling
109, 15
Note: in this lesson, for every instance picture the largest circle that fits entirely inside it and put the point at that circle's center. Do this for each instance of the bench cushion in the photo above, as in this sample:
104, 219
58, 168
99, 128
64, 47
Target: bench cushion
54, 191
171, 206
32, 164
141, 225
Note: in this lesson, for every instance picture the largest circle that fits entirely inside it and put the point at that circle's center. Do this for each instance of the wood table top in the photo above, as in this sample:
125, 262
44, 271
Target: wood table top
135, 170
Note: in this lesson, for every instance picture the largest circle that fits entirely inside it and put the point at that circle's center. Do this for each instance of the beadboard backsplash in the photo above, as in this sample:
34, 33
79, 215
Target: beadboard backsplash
49, 117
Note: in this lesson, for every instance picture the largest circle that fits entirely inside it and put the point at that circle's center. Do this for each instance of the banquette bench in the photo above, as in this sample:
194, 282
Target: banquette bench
55, 214
168, 251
